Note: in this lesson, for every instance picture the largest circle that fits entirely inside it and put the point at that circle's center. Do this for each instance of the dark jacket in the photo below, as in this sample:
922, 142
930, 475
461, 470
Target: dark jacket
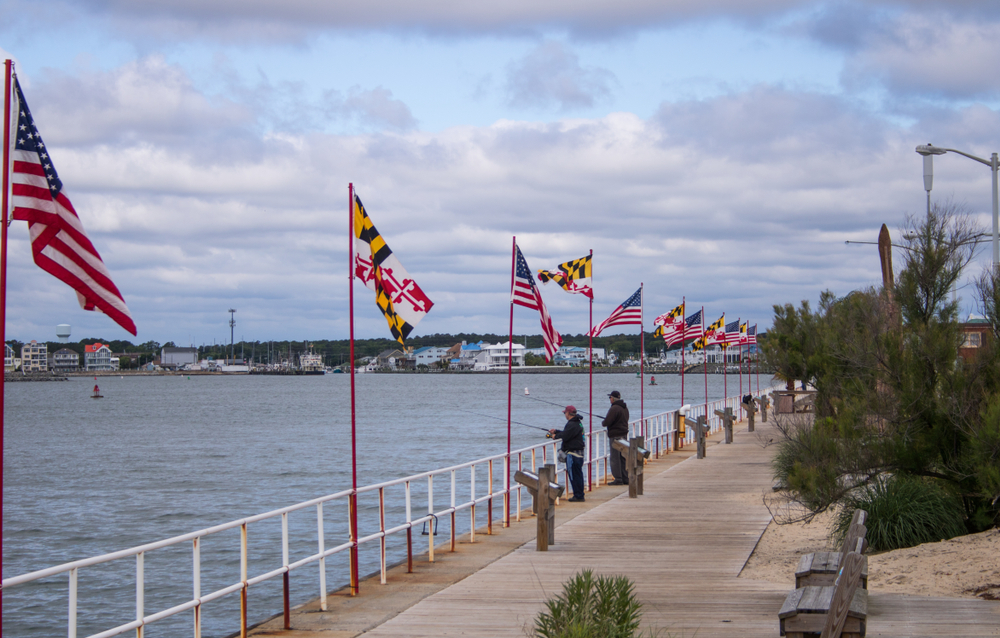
571, 435
617, 420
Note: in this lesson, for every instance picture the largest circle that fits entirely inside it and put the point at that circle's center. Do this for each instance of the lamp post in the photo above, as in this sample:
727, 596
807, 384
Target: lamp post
929, 151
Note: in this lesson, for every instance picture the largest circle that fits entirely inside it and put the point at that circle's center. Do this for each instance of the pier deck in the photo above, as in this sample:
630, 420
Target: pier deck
683, 543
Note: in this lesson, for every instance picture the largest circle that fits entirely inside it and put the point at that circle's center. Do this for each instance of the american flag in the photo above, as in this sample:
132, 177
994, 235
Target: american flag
526, 293
752, 334
733, 332
628, 313
58, 242
692, 330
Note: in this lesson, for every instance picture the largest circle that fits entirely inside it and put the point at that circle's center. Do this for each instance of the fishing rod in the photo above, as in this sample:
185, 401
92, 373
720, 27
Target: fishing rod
528, 396
490, 416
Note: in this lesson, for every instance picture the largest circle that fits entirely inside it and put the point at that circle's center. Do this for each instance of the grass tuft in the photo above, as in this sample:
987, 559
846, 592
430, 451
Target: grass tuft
903, 511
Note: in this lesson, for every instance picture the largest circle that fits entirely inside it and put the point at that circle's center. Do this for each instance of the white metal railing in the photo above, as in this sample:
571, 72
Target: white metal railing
658, 430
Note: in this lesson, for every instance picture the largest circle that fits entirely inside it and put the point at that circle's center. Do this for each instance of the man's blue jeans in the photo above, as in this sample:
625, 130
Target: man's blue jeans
574, 464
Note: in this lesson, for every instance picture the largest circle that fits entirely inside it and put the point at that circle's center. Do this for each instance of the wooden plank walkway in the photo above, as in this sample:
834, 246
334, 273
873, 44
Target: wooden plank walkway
683, 544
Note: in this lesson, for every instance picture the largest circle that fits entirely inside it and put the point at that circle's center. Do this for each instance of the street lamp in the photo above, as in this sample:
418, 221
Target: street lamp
929, 151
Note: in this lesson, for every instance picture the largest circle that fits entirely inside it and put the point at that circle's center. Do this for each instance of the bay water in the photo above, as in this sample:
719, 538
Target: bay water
163, 456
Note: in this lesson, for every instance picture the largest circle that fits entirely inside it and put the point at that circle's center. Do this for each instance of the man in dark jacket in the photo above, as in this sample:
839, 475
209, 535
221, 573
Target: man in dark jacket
573, 444
617, 423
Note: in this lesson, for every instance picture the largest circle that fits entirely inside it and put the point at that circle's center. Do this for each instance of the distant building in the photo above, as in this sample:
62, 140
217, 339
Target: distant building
391, 358
495, 356
8, 359
34, 357
975, 334
175, 358
569, 355
430, 355
64, 360
97, 358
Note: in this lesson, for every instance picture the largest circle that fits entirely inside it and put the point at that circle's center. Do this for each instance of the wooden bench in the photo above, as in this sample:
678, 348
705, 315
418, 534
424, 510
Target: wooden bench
838, 611
821, 568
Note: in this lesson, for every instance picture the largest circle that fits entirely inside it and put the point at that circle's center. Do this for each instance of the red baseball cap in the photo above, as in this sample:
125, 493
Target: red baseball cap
570, 409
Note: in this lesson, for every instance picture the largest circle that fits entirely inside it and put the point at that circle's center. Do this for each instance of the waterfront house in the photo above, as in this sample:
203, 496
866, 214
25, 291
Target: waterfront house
429, 355
176, 358
569, 355
97, 358
495, 356
34, 357
64, 360
9, 364
391, 358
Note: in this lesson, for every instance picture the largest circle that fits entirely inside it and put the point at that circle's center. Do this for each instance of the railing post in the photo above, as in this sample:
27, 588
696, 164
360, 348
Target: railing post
196, 580
409, 531
381, 527
352, 505
286, 576
489, 501
140, 590
453, 486
519, 468
430, 523
243, 579
73, 579
322, 559
472, 509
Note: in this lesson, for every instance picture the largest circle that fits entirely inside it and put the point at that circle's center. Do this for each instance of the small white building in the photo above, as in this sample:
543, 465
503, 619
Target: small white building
174, 358
496, 356
428, 355
9, 362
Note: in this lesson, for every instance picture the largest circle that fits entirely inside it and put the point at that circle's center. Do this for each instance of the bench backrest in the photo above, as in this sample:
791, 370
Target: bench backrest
844, 588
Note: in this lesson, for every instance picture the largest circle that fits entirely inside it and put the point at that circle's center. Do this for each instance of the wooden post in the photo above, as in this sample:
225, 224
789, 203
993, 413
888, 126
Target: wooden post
550, 510
727, 422
751, 409
544, 492
630, 464
699, 430
641, 454
763, 403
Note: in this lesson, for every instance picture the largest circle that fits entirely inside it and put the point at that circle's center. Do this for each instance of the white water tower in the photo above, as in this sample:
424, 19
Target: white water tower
63, 331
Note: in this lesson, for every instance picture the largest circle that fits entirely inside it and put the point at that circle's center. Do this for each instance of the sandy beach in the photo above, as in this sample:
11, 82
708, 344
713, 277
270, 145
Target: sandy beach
967, 566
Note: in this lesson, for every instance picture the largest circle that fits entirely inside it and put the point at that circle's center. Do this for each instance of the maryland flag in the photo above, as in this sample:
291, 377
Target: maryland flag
574, 276
398, 296
714, 334
669, 325
743, 332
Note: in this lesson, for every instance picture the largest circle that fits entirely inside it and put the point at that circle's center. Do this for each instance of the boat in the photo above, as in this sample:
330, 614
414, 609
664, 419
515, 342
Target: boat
311, 363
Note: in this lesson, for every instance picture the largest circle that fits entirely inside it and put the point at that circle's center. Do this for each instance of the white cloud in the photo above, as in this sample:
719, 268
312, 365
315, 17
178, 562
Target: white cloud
551, 74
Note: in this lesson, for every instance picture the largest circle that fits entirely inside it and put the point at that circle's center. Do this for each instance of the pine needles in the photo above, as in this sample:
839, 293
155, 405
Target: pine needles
589, 607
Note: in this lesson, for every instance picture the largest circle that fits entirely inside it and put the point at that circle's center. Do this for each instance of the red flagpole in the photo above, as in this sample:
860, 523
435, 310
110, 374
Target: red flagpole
642, 367
705, 359
683, 326
756, 359
354, 444
8, 65
510, 378
590, 446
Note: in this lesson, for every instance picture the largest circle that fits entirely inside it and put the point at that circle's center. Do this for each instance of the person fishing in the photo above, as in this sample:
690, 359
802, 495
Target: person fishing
573, 444
617, 424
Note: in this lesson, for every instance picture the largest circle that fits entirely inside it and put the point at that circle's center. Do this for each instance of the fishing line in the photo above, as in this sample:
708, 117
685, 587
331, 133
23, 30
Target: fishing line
490, 416
528, 396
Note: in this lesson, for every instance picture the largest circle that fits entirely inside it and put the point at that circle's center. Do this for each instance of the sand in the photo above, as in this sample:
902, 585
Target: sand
968, 566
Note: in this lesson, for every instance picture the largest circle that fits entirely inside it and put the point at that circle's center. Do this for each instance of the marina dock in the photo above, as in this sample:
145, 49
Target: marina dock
683, 543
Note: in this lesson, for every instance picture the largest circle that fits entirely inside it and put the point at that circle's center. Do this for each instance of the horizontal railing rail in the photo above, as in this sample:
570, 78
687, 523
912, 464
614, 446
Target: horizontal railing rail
658, 429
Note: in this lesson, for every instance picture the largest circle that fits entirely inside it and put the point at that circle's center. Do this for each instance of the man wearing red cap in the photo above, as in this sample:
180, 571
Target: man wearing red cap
573, 444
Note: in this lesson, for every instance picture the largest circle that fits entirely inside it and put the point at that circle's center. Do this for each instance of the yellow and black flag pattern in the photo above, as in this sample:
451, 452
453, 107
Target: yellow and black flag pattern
397, 295
573, 276
714, 334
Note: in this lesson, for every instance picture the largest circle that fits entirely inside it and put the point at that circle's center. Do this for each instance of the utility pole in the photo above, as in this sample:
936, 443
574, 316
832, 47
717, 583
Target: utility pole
232, 326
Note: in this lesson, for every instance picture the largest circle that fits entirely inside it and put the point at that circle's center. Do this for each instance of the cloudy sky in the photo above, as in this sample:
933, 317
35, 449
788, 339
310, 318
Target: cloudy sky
721, 150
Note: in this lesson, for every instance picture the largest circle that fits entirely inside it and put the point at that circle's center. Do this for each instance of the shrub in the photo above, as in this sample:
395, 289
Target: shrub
589, 607
903, 511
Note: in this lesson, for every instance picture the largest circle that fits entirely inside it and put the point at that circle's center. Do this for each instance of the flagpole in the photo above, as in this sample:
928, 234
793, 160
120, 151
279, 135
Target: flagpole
740, 362
590, 333
642, 364
756, 360
704, 352
354, 444
8, 64
510, 380
683, 327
